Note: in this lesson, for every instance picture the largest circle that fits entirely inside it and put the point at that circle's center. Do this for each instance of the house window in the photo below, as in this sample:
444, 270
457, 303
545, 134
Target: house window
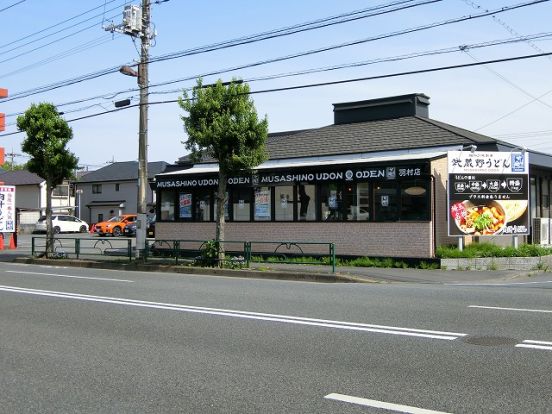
306, 207
203, 205
167, 205
331, 207
60, 191
96, 188
117, 187
356, 201
386, 202
283, 203
241, 204
415, 200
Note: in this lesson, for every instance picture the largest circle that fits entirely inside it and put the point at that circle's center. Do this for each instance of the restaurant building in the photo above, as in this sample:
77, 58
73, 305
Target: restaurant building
374, 183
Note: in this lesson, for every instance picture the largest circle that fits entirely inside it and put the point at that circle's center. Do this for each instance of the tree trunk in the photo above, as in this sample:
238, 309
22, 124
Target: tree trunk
49, 229
221, 202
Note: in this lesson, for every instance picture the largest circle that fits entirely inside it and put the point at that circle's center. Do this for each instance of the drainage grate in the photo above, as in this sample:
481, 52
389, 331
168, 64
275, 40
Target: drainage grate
489, 340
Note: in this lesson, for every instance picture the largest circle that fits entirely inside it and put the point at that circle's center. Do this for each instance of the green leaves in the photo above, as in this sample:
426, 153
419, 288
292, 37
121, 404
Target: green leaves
47, 137
222, 123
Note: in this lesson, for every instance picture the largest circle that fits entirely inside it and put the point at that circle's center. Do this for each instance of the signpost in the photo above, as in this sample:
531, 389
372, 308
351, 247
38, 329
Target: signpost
488, 194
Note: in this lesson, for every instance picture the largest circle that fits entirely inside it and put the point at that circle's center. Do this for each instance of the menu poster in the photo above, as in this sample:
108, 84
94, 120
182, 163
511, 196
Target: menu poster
185, 203
488, 193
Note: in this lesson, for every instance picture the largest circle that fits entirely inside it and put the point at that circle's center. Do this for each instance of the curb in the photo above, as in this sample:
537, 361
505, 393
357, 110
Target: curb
190, 270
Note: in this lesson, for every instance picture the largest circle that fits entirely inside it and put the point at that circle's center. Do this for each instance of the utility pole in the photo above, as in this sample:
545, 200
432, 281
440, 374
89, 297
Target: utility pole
143, 131
136, 23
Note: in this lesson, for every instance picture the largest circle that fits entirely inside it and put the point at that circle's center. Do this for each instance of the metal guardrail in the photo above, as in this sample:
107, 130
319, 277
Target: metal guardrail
238, 253
68, 247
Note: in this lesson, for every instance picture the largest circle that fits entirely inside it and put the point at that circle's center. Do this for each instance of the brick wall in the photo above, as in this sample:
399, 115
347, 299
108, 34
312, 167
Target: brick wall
413, 239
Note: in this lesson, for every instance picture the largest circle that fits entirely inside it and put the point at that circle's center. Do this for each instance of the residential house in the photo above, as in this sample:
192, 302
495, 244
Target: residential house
30, 197
113, 190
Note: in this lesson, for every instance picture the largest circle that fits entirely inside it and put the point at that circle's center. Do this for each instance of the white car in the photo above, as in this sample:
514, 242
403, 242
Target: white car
62, 223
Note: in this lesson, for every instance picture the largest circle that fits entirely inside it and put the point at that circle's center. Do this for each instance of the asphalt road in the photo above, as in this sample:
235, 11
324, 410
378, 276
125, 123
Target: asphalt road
84, 340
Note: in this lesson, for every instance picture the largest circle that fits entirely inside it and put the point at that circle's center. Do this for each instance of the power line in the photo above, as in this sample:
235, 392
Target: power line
104, 72
48, 44
54, 25
454, 49
12, 5
330, 83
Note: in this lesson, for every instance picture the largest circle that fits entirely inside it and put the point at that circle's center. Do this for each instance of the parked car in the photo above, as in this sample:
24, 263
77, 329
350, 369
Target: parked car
114, 225
130, 228
62, 223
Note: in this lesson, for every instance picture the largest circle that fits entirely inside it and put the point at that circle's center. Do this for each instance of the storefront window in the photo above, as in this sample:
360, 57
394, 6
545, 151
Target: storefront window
386, 202
263, 205
241, 204
414, 200
331, 196
203, 206
356, 200
283, 206
167, 206
306, 207
185, 205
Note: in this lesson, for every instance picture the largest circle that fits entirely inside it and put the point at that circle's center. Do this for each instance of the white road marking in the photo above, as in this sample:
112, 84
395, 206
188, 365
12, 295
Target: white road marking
499, 284
392, 330
511, 309
546, 346
380, 404
69, 276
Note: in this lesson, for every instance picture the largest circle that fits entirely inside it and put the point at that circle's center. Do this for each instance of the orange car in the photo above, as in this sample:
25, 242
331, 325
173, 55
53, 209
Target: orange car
114, 225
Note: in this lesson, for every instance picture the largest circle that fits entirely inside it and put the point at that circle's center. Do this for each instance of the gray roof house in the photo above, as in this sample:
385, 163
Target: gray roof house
113, 190
30, 198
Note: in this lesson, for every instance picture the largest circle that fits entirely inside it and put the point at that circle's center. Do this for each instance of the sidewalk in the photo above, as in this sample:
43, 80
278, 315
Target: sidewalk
300, 272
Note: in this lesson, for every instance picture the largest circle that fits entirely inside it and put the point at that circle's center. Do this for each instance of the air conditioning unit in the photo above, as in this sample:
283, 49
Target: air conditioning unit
541, 230
132, 20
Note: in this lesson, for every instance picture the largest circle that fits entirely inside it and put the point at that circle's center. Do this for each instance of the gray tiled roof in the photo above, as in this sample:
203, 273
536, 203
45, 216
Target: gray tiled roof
120, 171
20, 177
371, 136
384, 135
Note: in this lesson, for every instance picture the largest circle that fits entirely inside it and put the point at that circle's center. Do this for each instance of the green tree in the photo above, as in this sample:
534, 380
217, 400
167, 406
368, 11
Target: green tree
12, 166
47, 137
222, 124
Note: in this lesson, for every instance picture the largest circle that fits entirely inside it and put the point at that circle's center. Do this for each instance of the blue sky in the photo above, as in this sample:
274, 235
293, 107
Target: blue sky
510, 101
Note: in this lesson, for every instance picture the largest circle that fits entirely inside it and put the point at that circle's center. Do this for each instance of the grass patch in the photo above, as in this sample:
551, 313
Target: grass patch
385, 262
492, 250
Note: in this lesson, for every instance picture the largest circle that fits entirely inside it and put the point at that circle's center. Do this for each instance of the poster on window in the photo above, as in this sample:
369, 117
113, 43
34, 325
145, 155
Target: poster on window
262, 204
488, 193
7, 209
185, 205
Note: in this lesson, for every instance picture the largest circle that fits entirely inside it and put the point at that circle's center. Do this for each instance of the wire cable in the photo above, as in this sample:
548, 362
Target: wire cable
330, 83
311, 52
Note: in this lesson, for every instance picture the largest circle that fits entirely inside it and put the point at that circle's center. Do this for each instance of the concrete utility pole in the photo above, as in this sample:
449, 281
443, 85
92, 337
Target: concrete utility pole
136, 23
143, 131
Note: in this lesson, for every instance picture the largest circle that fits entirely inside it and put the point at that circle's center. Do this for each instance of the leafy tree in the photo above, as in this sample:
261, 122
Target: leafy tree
222, 124
47, 137
12, 166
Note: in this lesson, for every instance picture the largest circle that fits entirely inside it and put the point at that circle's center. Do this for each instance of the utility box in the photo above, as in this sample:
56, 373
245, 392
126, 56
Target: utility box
132, 20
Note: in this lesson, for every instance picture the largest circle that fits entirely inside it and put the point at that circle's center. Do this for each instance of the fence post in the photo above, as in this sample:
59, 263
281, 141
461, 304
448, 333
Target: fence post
176, 251
77, 247
129, 249
332, 256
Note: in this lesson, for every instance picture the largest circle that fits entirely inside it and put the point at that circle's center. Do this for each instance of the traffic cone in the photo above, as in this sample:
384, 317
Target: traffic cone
1, 241
12, 242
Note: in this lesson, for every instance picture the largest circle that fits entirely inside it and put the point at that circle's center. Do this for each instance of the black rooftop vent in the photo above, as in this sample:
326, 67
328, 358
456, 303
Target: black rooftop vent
415, 104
